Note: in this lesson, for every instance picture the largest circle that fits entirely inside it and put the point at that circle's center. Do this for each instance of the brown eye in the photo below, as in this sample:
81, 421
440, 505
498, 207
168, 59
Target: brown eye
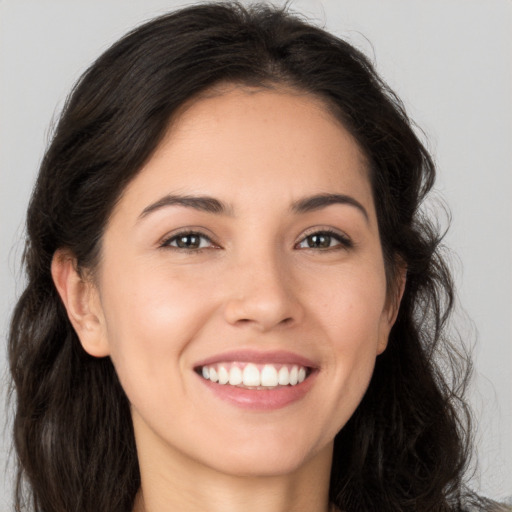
190, 241
319, 241
324, 240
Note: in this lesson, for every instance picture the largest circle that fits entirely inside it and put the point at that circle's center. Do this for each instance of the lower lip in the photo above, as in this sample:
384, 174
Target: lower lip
261, 399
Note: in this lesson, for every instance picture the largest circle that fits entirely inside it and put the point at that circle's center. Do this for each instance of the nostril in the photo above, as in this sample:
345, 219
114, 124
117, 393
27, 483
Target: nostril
245, 321
265, 310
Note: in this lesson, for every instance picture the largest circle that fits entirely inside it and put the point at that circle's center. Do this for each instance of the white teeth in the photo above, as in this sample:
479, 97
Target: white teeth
235, 376
223, 375
269, 376
251, 375
284, 376
294, 376
254, 376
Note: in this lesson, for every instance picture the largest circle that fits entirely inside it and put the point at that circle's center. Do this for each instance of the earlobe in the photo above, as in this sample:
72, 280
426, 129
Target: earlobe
80, 298
393, 306
401, 281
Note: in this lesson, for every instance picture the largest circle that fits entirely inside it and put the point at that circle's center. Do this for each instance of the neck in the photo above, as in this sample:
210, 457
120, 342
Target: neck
176, 483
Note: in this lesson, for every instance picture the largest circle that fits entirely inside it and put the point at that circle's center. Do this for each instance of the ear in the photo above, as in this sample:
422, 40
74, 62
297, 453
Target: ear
392, 307
81, 300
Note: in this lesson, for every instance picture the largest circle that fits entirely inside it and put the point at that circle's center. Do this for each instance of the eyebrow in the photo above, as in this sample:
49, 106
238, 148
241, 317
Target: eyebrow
212, 205
316, 202
202, 203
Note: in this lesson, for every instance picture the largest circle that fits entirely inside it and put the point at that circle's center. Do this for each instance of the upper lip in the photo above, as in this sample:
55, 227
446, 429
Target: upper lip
258, 357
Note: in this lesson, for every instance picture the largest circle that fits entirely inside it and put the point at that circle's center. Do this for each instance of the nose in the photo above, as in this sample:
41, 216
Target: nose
262, 295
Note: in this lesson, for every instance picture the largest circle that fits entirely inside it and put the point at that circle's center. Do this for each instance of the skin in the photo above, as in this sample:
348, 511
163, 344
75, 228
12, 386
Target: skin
256, 284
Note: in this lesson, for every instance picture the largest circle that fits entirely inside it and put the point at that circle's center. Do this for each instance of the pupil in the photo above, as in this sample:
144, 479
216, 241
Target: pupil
319, 241
188, 241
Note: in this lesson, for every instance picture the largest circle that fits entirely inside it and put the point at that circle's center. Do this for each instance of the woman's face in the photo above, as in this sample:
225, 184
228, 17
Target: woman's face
246, 250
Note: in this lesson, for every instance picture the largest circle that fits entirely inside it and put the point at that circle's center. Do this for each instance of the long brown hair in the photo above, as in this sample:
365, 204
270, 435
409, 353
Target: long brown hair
407, 444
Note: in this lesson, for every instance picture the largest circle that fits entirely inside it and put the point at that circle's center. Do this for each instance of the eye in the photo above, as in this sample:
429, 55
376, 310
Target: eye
189, 240
324, 240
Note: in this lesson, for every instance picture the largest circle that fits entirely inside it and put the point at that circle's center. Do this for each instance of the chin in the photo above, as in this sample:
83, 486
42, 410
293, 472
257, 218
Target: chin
267, 459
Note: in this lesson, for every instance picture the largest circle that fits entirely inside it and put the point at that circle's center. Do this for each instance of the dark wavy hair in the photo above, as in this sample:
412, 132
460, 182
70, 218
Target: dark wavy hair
407, 444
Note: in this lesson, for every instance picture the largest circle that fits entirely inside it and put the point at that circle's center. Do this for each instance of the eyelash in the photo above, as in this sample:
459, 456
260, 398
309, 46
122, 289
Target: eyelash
166, 243
344, 241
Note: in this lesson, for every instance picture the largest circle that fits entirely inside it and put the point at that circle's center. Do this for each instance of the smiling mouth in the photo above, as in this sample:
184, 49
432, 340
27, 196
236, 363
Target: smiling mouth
254, 376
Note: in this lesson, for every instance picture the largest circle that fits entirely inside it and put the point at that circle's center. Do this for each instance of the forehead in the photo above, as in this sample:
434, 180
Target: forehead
253, 117
240, 140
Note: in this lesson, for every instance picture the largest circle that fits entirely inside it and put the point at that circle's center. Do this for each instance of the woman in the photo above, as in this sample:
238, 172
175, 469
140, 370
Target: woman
233, 301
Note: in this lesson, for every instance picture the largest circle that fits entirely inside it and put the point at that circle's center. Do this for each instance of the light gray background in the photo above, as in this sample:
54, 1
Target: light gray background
449, 60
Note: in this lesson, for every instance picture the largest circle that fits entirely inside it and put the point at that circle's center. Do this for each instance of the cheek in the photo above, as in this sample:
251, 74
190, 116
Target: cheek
350, 304
351, 312
150, 319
